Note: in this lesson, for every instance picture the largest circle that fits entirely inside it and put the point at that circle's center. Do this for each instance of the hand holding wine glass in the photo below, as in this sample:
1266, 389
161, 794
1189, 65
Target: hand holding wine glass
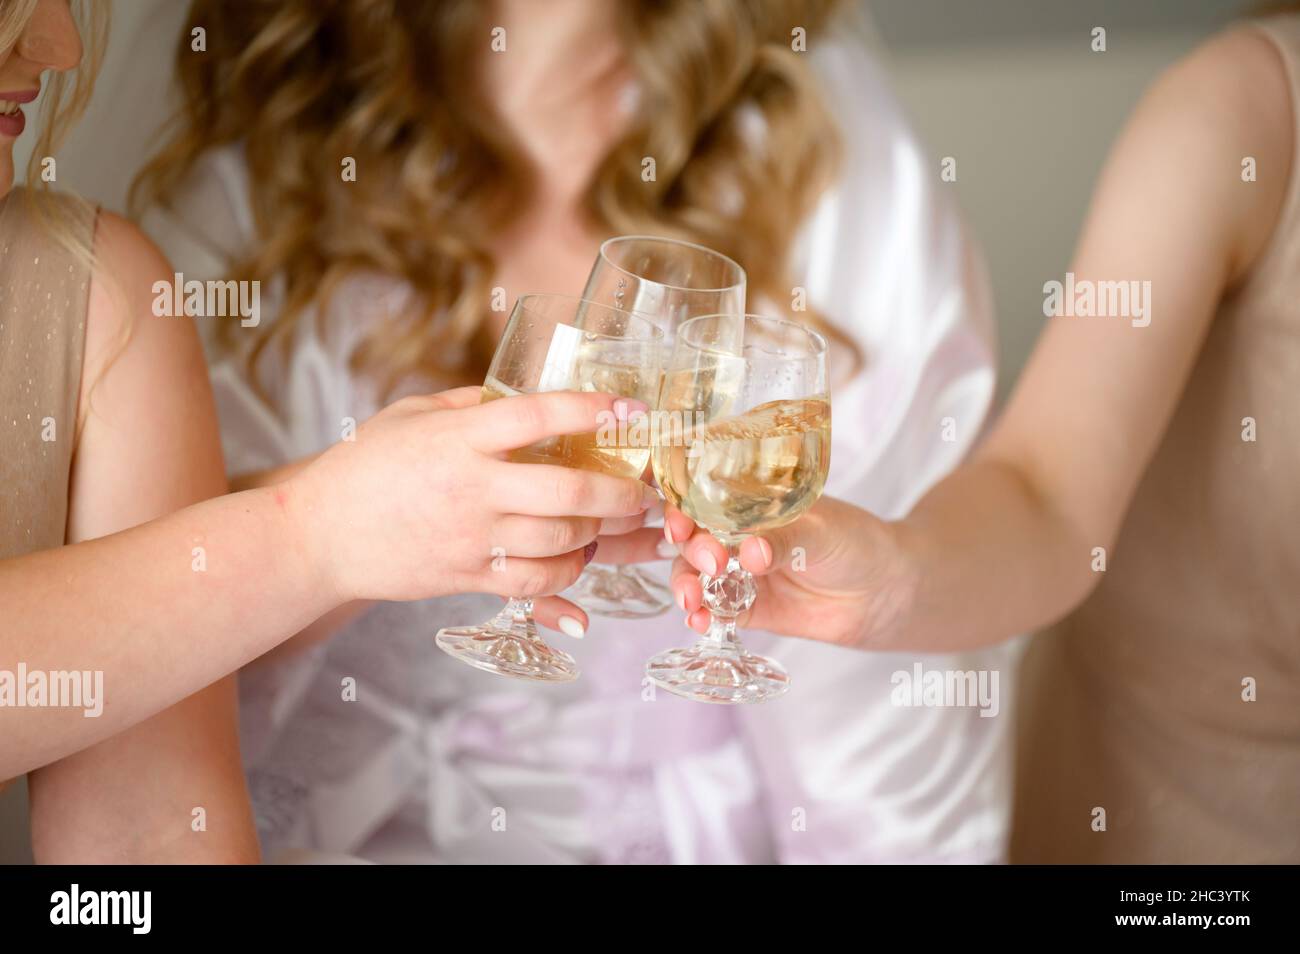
742, 446
836, 575
558, 343
415, 505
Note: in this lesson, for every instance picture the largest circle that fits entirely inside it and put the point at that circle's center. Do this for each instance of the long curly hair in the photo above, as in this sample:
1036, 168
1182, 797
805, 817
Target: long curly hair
302, 83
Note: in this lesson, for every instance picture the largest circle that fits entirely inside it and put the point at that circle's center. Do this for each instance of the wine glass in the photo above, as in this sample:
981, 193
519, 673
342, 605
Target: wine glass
742, 445
668, 281
560, 343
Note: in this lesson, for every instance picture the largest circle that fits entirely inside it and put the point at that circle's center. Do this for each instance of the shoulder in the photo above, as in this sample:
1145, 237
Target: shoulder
879, 143
1220, 123
891, 193
149, 443
121, 327
885, 251
123, 251
127, 265
1233, 85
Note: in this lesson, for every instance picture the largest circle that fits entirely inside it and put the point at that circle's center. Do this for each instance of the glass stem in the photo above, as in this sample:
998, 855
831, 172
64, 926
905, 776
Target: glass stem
516, 616
727, 596
722, 633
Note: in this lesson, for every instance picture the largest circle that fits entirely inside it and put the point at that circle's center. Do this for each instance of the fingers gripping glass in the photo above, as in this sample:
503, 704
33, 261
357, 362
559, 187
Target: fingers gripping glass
669, 282
742, 446
558, 343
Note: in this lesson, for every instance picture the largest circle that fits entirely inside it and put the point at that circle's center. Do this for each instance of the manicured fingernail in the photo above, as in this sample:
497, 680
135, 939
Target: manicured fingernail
681, 601
766, 549
572, 627
666, 550
624, 408
650, 497
708, 564
589, 552
655, 512
668, 532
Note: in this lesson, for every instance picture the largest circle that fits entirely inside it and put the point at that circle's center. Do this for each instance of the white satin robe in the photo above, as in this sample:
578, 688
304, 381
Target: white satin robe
436, 761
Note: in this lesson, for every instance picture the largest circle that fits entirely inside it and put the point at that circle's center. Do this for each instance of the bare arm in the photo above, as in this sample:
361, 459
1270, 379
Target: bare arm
333, 621
149, 447
1004, 544
414, 508
132, 606
1013, 533
622, 540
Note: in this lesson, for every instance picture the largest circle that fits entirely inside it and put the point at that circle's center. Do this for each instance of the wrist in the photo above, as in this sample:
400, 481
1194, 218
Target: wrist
307, 530
886, 628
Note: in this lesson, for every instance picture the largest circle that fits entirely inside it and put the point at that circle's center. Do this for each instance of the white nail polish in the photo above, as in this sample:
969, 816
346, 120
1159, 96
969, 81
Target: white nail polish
708, 564
572, 627
666, 550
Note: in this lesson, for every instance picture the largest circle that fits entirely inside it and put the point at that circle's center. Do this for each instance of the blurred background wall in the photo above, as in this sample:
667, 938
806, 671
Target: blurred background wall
1009, 88
1012, 90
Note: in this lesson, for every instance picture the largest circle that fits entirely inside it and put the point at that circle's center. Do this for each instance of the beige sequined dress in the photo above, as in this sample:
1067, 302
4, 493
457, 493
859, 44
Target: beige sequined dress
1160, 722
43, 292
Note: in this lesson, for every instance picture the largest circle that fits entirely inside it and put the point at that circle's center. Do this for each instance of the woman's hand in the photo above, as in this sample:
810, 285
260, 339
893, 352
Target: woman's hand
423, 503
635, 539
835, 575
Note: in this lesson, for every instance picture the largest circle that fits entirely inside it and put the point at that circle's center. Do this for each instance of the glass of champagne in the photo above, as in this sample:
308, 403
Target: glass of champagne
668, 281
559, 343
742, 445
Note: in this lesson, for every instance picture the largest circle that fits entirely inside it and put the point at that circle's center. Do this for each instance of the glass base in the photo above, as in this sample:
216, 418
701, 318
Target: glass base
508, 645
708, 672
620, 592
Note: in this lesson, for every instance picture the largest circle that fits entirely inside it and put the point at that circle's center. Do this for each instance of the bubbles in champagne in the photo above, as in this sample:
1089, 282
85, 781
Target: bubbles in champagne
751, 472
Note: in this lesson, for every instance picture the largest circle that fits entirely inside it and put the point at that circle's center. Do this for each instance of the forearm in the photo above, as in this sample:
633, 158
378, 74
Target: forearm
338, 617
161, 610
985, 557
269, 477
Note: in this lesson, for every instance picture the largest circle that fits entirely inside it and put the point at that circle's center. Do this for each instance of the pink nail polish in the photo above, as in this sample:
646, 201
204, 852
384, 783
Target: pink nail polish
708, 564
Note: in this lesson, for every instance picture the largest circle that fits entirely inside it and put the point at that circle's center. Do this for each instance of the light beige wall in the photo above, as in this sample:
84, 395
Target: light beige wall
1029, 126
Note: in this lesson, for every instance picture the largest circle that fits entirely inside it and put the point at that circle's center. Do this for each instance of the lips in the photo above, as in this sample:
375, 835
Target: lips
12, 120
12, 124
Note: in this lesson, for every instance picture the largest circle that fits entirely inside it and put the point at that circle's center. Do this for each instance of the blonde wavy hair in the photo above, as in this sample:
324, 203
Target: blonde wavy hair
302, 83
63, 102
